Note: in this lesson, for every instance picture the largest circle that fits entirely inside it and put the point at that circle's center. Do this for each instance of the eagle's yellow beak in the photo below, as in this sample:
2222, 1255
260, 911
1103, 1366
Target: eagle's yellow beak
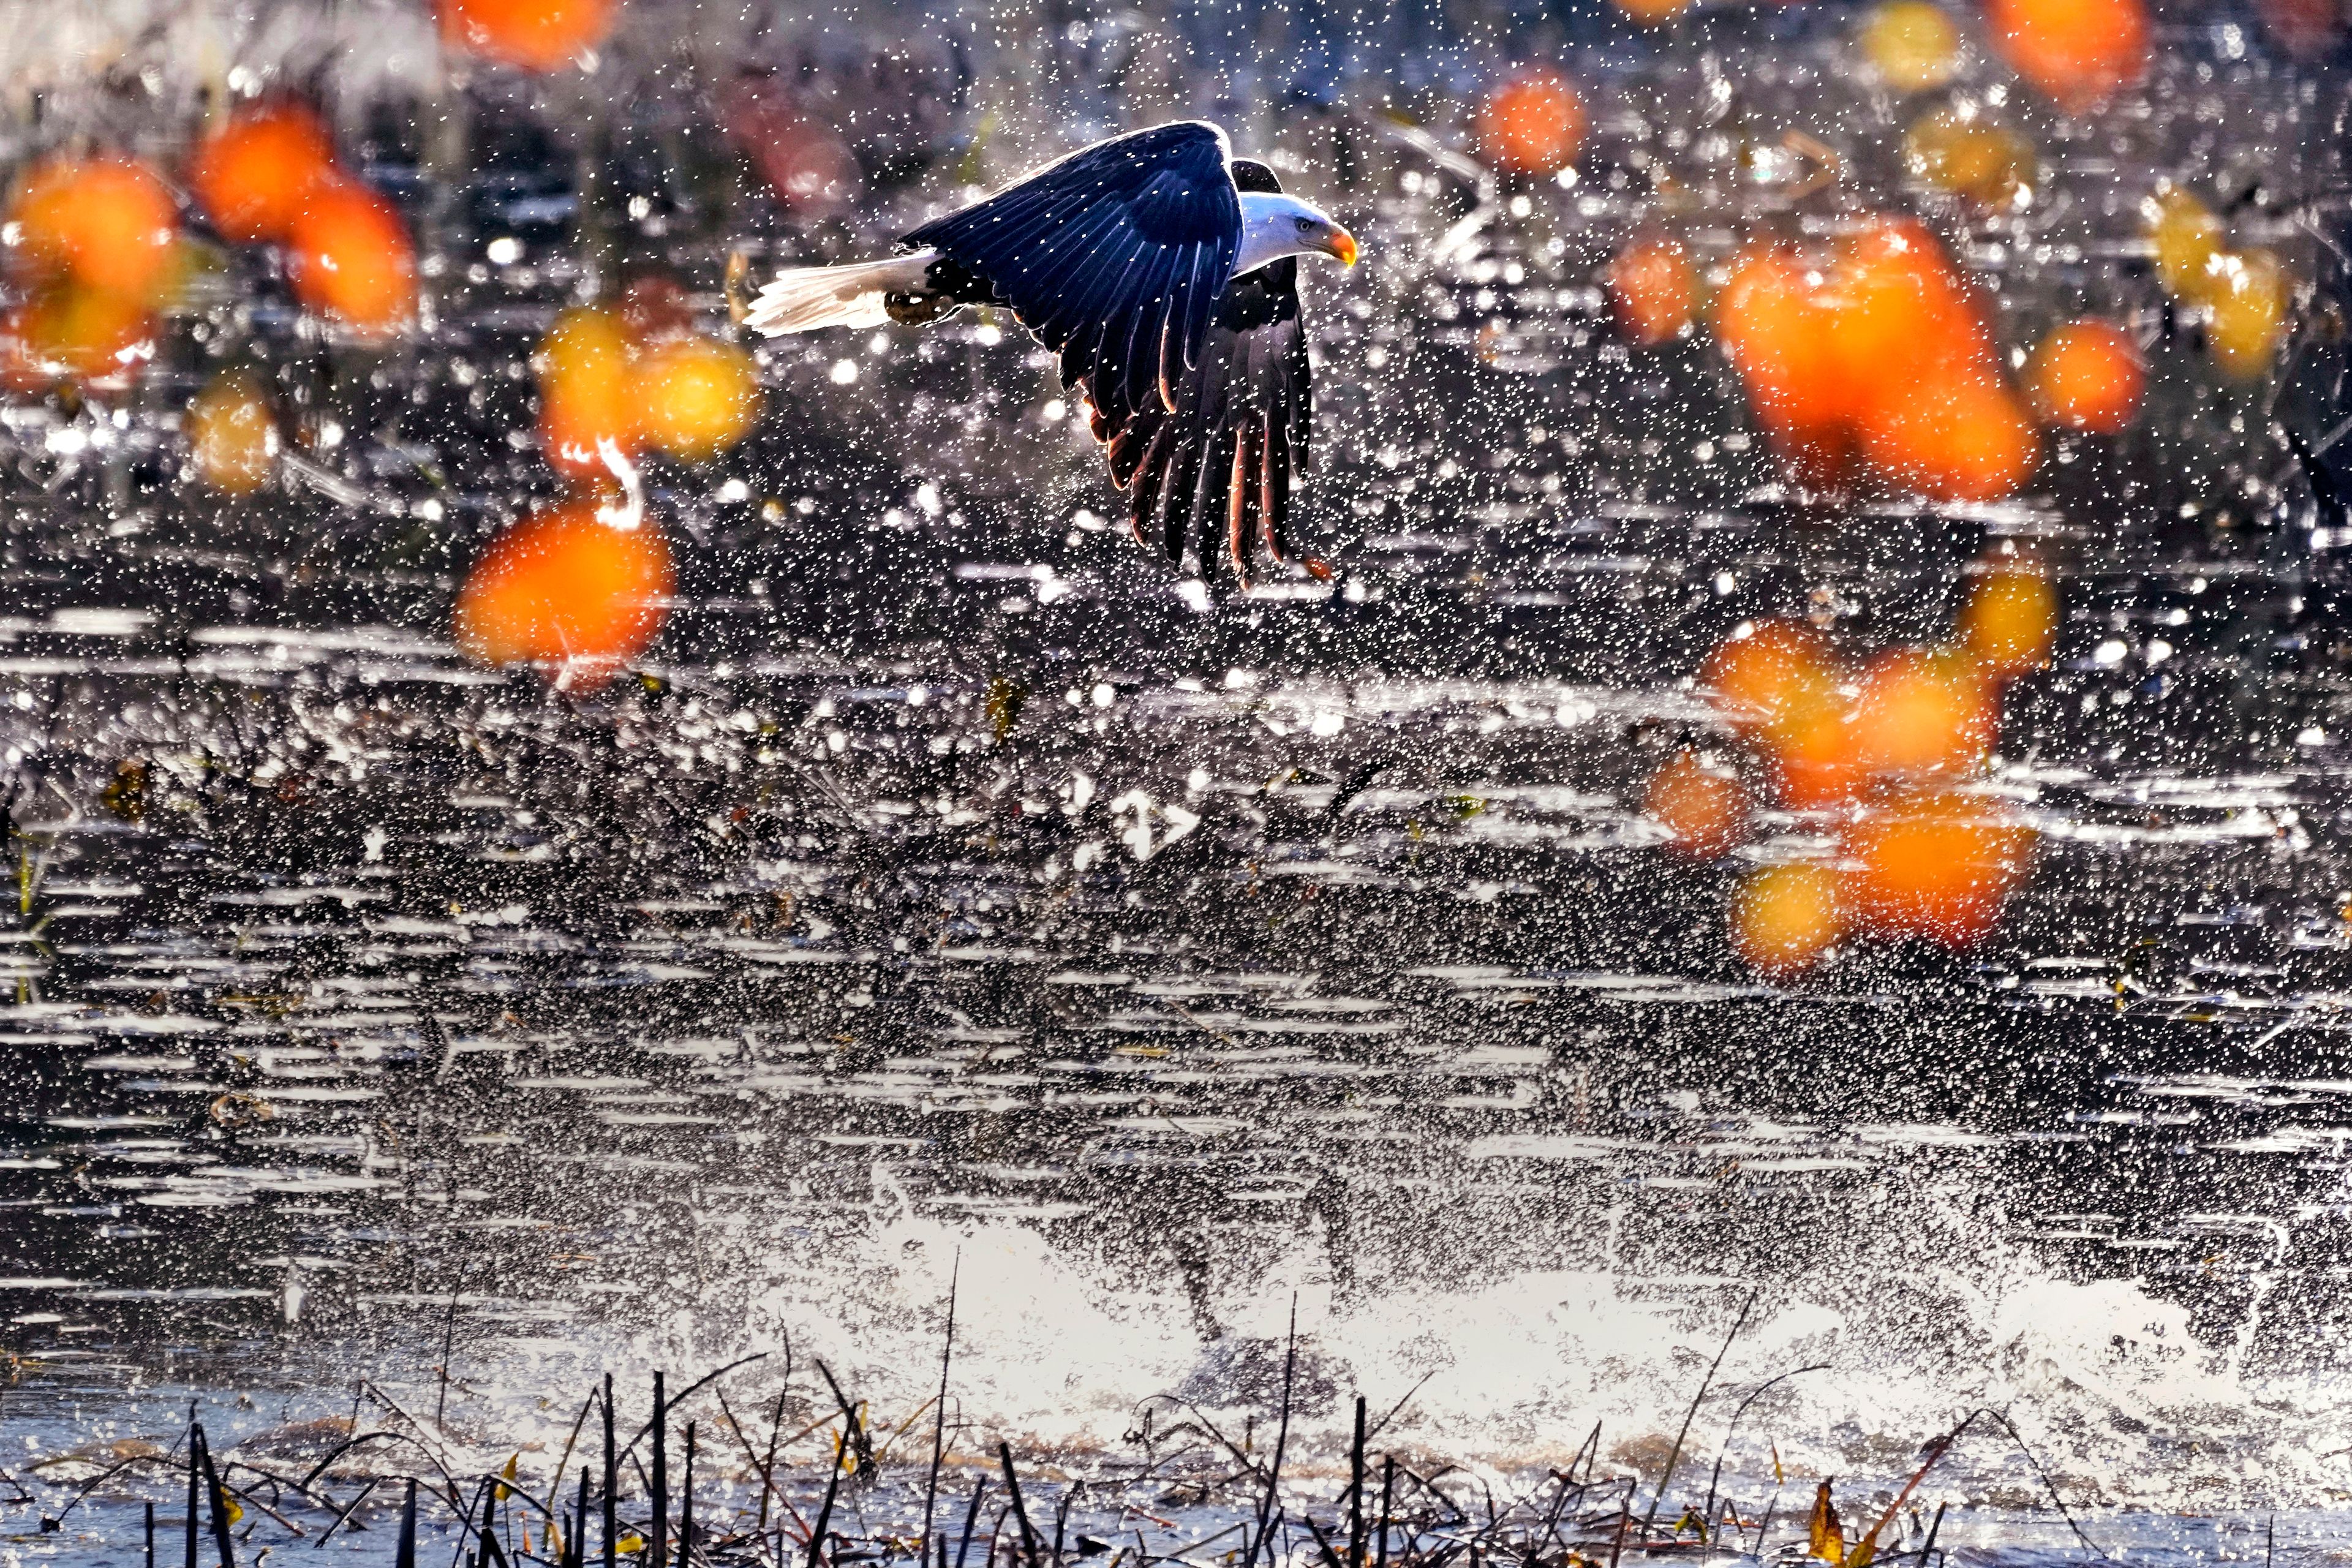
1343, 245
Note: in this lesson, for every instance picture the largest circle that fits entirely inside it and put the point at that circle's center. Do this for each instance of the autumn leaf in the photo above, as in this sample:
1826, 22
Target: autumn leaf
1825, 1539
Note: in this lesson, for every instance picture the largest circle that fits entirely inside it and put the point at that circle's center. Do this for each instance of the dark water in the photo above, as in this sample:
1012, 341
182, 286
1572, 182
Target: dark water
955, 892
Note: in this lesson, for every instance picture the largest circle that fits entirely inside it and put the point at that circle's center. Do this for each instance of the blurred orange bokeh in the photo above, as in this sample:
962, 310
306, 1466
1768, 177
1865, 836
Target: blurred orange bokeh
254, 174
1938, 864
1654, 290
1785, 917
700, 397
1884, 757
353, 257
1898, 312
71, 333
1533, 123
232, 434
1706, 810
1652, 13
638, 374
2010, 619
1779, 686
565, 588
1776, 331
2078, 53
1770, 678
104, 222
534, 35
1924, 710
587, 392
2088, 375
1913, 711
1961, 435
1814, 755
1885, 347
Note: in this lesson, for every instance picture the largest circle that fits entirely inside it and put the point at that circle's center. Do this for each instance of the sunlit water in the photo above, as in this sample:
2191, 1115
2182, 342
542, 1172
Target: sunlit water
958, 896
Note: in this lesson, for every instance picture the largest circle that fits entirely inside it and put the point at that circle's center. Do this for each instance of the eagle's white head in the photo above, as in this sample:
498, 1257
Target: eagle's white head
1274, 225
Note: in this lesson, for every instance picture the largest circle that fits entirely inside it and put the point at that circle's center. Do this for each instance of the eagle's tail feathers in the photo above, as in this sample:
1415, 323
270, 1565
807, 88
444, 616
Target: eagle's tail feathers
806, 297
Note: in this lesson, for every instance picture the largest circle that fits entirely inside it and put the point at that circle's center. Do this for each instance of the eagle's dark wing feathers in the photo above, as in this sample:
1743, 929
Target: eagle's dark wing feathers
1220, 455
1114, 257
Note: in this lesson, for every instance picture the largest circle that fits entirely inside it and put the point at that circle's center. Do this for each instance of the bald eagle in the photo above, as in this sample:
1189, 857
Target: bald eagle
1162, 272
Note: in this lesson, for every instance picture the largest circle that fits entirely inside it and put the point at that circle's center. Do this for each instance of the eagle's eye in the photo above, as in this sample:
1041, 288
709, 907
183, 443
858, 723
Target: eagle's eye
1305, 224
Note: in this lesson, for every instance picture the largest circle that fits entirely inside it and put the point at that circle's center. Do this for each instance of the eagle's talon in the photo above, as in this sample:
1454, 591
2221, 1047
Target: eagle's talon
916, 309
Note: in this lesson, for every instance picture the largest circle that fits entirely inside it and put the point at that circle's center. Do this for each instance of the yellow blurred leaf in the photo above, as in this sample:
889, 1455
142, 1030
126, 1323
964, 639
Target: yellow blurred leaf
1004, 701
126, 794
1826, 1537
738, 286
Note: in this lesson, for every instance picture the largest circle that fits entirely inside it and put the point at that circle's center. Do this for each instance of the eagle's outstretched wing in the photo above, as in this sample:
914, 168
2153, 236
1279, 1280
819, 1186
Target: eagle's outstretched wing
1222, 455
1114, 257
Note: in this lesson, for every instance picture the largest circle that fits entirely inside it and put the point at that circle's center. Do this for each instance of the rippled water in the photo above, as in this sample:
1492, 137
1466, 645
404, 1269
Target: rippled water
736, 1005
958, 894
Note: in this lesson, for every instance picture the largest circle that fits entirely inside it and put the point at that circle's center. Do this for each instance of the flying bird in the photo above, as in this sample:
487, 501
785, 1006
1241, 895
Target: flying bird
1162, 271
